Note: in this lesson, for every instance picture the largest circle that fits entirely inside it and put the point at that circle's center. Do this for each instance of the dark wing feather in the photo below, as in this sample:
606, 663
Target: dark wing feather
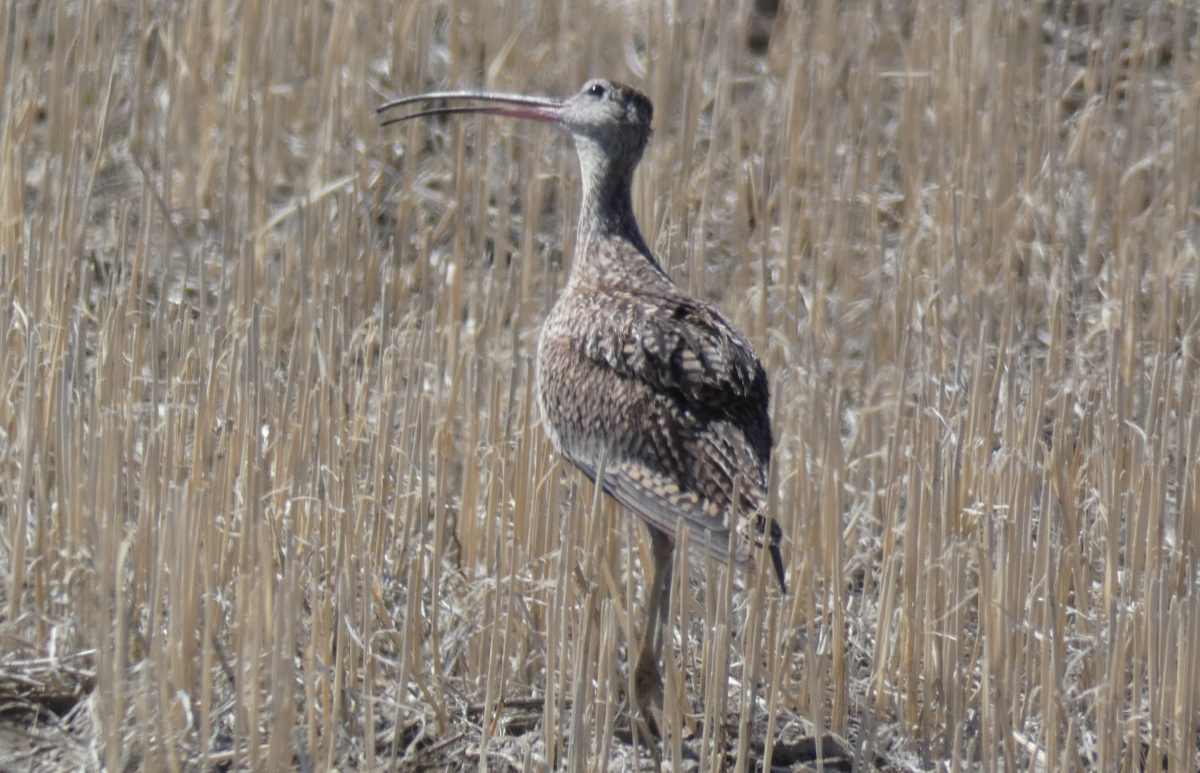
684, 348
681, 345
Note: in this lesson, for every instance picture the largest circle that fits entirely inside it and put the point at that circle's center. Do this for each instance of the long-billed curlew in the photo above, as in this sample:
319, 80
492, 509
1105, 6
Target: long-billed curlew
636, 379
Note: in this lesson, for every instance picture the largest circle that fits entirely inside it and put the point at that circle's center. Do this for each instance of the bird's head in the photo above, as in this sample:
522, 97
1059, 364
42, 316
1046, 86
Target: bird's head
614, 117
610, 122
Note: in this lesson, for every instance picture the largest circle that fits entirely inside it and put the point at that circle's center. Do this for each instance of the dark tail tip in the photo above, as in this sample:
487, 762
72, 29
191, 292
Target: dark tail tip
777, 559
775, 532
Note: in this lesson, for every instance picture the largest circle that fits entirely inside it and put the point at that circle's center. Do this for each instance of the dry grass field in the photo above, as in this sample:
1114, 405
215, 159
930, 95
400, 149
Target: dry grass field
273, 492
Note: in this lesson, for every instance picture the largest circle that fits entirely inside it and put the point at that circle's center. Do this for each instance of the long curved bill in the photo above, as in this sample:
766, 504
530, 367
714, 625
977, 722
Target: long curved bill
510, 105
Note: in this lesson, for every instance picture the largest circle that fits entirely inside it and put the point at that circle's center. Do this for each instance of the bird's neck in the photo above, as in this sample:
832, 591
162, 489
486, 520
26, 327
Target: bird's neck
606, 220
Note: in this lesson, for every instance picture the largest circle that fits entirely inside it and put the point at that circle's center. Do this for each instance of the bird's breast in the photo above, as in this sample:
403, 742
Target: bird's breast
585, 406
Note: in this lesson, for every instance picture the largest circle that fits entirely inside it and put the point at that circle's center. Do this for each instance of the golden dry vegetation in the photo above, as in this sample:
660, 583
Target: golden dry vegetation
273, 492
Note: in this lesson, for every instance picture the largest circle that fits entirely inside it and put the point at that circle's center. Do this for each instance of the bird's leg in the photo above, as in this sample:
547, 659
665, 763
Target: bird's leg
648, 680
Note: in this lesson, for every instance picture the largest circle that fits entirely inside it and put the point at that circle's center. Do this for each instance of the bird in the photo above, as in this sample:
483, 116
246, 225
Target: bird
652, 393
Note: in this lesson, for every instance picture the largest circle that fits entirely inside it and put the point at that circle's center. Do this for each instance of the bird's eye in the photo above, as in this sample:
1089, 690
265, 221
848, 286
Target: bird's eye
597, 90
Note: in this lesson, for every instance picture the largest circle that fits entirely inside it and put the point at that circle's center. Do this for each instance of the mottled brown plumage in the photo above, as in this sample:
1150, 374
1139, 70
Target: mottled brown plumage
635, 372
